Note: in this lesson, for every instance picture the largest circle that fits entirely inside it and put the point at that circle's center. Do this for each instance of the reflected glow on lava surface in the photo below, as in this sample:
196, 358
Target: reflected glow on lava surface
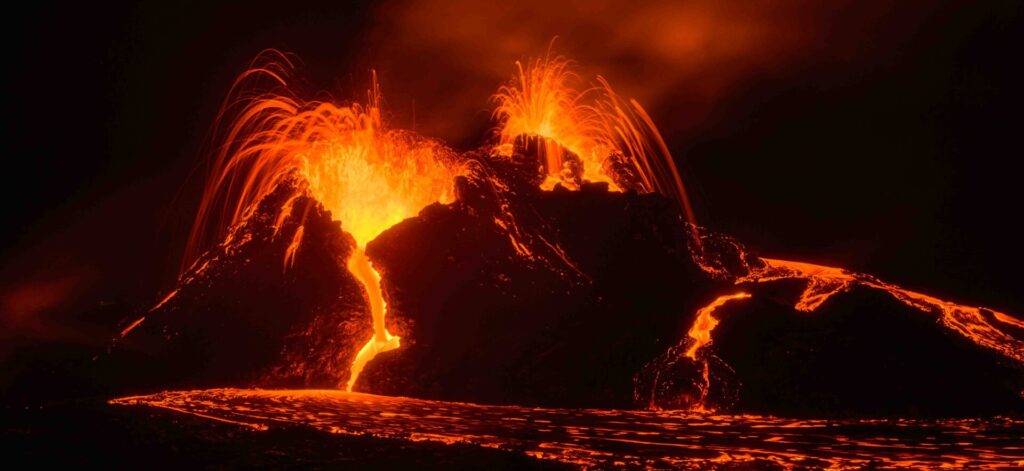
594, 437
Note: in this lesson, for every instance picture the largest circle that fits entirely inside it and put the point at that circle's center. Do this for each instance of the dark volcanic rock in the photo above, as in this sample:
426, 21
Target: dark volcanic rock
862, 353
602, 325
482, 323
240, 317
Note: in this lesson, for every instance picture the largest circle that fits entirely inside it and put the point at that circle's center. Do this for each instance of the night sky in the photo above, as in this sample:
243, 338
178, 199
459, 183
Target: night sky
860, 136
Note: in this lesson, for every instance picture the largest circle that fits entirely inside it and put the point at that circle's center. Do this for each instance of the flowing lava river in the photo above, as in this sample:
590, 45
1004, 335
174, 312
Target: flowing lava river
595, 437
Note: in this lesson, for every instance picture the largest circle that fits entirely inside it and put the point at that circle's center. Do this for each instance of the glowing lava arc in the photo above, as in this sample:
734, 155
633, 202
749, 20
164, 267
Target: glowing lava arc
706, 322
596, 125
368, 176
700, 332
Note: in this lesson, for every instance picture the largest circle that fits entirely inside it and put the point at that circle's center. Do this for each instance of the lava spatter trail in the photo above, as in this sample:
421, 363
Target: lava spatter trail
620, 438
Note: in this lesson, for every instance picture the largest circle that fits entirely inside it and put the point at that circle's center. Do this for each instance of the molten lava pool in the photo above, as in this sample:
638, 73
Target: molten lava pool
594, 437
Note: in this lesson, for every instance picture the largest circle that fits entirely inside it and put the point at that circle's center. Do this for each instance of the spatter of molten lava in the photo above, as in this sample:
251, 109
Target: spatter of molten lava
590, 135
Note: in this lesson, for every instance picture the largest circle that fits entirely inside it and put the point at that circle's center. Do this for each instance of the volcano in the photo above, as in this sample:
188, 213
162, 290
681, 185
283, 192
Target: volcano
557, 266
566, 270
483, 324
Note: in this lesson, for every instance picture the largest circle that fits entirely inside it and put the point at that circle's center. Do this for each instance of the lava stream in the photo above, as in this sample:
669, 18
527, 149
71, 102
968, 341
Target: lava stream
382, 340
706, 322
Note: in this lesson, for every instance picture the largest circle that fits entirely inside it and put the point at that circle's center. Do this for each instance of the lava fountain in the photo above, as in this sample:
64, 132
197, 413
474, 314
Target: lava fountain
368, 176
591, 134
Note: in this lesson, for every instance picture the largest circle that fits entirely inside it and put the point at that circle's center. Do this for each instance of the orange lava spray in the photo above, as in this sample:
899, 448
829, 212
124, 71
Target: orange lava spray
367, 175
595, 124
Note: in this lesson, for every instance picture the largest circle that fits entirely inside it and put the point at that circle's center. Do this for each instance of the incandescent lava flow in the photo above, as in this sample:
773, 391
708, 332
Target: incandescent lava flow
502, 268
613, 439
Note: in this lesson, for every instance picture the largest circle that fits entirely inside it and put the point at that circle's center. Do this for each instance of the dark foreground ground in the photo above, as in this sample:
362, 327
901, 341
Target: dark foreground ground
95, 435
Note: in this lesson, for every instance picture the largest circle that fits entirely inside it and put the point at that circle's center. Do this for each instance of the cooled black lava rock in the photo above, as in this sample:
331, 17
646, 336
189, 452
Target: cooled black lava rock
241, 317
481, 321
861, 353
